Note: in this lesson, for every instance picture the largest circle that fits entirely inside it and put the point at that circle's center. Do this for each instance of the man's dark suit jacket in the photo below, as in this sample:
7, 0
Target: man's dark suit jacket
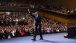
37, 20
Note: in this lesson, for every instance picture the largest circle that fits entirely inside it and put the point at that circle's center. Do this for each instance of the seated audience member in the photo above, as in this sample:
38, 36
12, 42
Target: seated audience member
54, 30
17, 33
31, 31
13, 32
21, 33
27, 31
42, 29
48, 29
57, 30
7, 33
2, 34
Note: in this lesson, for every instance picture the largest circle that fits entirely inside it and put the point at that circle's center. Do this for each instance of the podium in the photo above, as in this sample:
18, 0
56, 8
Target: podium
71, 32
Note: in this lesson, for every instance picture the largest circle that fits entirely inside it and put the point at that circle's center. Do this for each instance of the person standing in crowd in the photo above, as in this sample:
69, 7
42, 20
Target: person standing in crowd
37, 25
2, 34
7, 34
13, 33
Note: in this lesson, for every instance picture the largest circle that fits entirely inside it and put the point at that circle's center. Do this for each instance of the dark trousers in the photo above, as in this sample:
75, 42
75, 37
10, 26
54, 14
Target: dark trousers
36, 32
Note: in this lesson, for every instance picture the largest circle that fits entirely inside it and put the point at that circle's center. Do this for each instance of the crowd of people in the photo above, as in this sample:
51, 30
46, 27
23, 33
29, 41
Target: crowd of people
38, 5
15, 3
16, 30
56, 9
19, 24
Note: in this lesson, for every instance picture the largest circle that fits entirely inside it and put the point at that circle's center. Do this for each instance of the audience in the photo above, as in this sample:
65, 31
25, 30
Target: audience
37, 5
15, 29
19, 24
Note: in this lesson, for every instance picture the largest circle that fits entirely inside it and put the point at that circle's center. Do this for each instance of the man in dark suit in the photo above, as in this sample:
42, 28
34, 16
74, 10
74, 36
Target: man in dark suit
37, 23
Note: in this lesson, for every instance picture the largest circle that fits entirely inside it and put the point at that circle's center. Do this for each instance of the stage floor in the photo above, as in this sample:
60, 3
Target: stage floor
48, 38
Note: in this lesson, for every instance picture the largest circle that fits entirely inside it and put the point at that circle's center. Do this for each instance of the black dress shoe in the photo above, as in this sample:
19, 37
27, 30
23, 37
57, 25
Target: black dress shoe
33, 39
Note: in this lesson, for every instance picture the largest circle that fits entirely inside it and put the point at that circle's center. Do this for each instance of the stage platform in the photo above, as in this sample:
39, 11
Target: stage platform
48, 38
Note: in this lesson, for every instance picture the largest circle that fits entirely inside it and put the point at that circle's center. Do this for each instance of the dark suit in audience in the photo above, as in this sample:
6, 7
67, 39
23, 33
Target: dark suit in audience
7, 34
1, 35
17, 33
